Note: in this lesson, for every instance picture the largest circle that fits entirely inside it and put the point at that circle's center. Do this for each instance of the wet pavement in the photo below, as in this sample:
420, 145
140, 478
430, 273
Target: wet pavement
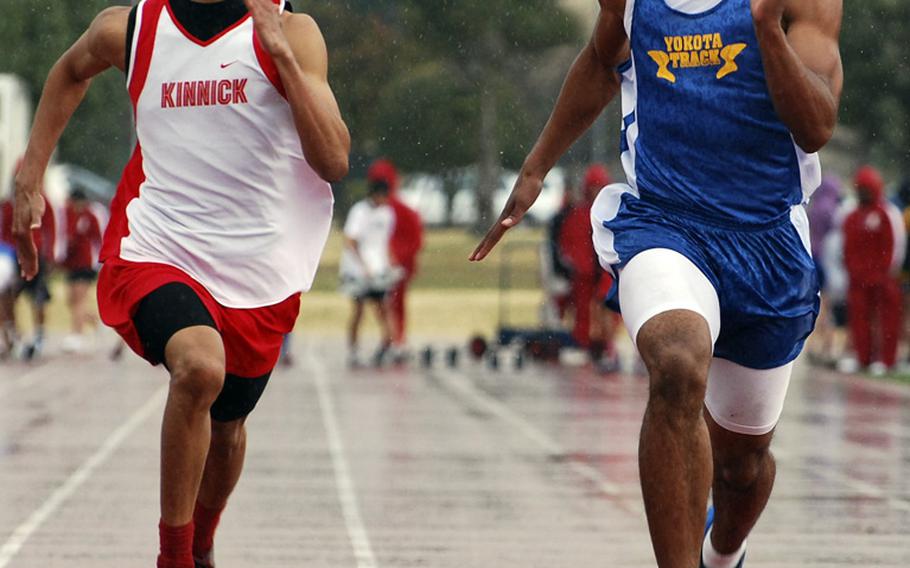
443, 468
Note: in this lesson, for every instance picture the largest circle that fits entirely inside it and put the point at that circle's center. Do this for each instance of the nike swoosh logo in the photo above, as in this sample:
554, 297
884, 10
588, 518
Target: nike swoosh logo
226, 65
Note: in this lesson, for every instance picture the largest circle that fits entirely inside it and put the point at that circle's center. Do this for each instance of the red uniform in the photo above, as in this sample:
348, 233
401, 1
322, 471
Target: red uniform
874, 298
83, 235
575, 244
405, 245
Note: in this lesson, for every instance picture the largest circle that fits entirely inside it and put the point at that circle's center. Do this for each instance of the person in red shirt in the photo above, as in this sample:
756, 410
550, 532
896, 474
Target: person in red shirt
870, 249
586, 277
83, 239
37, 289
405, 246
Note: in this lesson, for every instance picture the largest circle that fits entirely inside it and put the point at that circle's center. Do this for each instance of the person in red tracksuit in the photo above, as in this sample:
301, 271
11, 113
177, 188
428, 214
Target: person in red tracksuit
37, 288
575, 245
405, 246
83, 237
870, 245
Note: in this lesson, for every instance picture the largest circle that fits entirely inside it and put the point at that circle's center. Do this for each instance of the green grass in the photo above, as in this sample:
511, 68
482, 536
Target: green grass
444, 262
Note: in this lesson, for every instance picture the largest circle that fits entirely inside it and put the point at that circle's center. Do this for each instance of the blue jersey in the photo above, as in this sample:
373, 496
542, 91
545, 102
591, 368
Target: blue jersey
700, 132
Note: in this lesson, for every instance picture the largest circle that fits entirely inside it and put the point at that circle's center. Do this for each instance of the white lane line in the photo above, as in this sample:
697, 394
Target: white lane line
347, 494
23, 532
464, 387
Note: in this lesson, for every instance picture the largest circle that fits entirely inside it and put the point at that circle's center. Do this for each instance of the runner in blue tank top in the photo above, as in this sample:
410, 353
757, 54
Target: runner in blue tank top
724, 104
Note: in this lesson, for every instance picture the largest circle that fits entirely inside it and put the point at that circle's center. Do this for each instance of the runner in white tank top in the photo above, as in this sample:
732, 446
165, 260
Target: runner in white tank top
218, 223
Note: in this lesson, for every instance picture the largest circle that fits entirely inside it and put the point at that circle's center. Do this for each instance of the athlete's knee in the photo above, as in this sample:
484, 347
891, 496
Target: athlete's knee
677, 353
228, 437
198, 377
741, 471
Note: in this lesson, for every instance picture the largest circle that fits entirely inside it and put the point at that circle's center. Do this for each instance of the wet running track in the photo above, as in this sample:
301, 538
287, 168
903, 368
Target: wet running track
405, 468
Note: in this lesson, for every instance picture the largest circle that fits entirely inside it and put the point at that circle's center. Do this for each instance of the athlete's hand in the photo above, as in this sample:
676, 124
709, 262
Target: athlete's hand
768, 12
28, 210
267, 22
523, 196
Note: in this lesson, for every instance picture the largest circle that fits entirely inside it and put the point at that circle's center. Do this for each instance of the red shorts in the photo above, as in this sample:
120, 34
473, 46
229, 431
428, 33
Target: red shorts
252, 337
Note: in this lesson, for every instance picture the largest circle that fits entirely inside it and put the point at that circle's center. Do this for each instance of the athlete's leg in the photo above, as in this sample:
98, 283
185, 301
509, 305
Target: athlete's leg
222, 472
195, 358
743, 407
672, 311
224, 463
674, 451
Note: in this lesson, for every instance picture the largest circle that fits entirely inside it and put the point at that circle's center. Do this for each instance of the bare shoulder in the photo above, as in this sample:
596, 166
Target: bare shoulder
614, 7
306, 41
610, 40
107, 35
825, 15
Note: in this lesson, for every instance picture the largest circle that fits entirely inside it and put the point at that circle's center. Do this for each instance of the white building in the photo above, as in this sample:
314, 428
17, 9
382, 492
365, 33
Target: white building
15, 120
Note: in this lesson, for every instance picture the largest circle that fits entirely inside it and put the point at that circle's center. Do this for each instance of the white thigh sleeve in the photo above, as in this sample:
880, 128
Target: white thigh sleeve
746, 401
7, 272
661, 280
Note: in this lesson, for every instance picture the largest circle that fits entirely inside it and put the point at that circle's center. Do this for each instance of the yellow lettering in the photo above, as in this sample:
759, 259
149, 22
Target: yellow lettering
684, 59
714, 57
674, 59
687, 43
718, 43
697, 43
677, 43
669, 42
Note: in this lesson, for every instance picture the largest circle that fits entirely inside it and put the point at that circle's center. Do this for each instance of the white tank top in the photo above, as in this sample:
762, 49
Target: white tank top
218, 185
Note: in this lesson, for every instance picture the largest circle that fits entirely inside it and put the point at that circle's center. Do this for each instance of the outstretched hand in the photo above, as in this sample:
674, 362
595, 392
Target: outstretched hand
523, 196
267, 22
28, 210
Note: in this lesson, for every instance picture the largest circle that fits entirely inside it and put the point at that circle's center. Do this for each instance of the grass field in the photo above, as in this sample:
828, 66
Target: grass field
451, 297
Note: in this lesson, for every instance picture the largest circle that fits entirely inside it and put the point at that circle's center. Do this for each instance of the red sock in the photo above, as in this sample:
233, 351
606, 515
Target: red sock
176, 546
206, 521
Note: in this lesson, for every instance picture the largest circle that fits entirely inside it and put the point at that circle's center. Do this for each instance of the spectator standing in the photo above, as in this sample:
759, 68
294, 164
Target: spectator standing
874, 248
83, 241
367, 275
45, 238
823, 220
404, 246
575, 244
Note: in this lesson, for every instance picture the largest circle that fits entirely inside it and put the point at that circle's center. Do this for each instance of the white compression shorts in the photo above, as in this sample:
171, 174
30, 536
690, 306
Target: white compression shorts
741, 400
8, 268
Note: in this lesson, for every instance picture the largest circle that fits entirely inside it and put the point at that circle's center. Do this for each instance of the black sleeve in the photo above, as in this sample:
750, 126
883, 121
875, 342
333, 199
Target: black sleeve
130, 30
288, 7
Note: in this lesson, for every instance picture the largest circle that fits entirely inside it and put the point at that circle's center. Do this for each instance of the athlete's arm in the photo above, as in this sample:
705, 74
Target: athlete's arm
803, 64
102, 46
591, 84
296, 46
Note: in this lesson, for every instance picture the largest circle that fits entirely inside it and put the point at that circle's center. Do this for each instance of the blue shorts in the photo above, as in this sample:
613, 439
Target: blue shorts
764, 276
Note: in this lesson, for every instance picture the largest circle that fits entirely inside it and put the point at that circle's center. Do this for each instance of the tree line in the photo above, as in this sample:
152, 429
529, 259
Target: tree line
439, 85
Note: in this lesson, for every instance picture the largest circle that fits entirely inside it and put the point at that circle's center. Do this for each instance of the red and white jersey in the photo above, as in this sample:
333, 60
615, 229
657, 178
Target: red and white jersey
218, 185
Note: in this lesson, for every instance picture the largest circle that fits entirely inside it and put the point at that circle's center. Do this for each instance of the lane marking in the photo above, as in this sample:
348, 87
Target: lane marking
466, 388
24, 531
344, 482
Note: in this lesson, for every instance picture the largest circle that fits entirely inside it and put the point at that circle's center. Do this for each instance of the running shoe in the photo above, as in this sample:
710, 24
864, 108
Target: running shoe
709, 522
207, 562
